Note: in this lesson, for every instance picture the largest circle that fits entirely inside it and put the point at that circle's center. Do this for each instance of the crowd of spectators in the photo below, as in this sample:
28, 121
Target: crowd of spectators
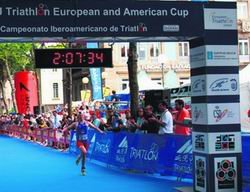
163, 120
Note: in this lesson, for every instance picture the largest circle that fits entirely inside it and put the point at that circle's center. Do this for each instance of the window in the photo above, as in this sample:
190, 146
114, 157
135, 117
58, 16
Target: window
157, 80
243, 47
183, 49
242, 10
55, 90
125, 84
141, 51
124, 49
169, 50
154, 50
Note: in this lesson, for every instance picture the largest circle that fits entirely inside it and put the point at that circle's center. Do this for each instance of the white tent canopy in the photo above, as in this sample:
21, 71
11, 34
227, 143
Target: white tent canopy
144, 83
245, 98
244, 74
171, 80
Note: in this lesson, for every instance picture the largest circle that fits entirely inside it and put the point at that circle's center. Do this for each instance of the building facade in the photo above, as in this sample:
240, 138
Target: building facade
51, 86
243, 32
175, 57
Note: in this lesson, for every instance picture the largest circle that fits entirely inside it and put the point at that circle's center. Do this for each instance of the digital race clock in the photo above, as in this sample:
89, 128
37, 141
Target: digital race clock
73, 58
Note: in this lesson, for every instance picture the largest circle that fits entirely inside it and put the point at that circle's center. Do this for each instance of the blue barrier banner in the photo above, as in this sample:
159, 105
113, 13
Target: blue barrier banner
168, 155
144, 154
119, 150
183, 156
164, 154
246, 157
96, 77
101, 147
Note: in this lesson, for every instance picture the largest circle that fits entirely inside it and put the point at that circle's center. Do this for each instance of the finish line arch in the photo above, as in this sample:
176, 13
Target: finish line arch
211, 29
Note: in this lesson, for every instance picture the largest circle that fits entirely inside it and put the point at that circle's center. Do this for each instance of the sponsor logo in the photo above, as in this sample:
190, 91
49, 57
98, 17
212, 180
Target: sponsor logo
220, 114
233, 83
224, 84
186, 148
225, 142
122, 151
200, 173
143, 154
184, 158
103, 147
171, 28
225, 174
142, 27
197, 114
210, 55
224, 20
221, 55
198, 86
175, 91
41, 9
200, 142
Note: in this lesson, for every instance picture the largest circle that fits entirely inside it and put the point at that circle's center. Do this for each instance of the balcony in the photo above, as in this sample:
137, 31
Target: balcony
244, 58
245, 26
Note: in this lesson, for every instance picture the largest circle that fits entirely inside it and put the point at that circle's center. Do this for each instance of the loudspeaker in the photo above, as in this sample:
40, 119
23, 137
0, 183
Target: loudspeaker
37, 111
154, 97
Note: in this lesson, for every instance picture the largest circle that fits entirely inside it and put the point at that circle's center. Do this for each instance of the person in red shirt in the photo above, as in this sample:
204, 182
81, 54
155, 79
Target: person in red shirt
248, 113
181, 115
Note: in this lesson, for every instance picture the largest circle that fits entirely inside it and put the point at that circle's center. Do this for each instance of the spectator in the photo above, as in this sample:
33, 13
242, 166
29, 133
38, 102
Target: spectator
114, 97
149, 123
248, 113
181, 115
41, 122
142, 101
140, 120
55, 120
114, 121
166, 119
103, 109
130, 122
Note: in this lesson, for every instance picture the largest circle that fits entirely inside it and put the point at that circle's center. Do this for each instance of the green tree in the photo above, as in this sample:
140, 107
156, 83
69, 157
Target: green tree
15, 57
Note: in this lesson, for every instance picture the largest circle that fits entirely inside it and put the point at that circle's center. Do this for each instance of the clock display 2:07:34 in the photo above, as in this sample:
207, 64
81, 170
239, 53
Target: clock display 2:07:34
78, 57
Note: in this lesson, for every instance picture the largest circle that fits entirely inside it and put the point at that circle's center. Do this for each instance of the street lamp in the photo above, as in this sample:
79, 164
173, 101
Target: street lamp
85, 81
161, 60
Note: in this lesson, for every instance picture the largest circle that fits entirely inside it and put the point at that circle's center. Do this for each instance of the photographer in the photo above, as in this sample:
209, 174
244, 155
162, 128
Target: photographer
114, 121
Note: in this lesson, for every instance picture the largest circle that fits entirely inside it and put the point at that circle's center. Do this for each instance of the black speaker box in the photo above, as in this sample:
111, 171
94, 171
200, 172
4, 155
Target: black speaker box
154, 97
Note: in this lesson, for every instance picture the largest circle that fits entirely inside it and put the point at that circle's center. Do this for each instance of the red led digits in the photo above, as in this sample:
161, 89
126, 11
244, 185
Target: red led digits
69, 58
73, 58
56, 58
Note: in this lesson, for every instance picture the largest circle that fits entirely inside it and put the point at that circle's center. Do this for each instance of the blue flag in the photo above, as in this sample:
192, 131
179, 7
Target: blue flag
96, 78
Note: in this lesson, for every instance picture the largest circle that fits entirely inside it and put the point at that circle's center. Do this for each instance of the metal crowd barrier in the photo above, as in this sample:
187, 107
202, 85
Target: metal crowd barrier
40, 135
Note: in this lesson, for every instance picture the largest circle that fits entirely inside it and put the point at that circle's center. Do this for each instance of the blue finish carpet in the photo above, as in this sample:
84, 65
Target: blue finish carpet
29, 167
